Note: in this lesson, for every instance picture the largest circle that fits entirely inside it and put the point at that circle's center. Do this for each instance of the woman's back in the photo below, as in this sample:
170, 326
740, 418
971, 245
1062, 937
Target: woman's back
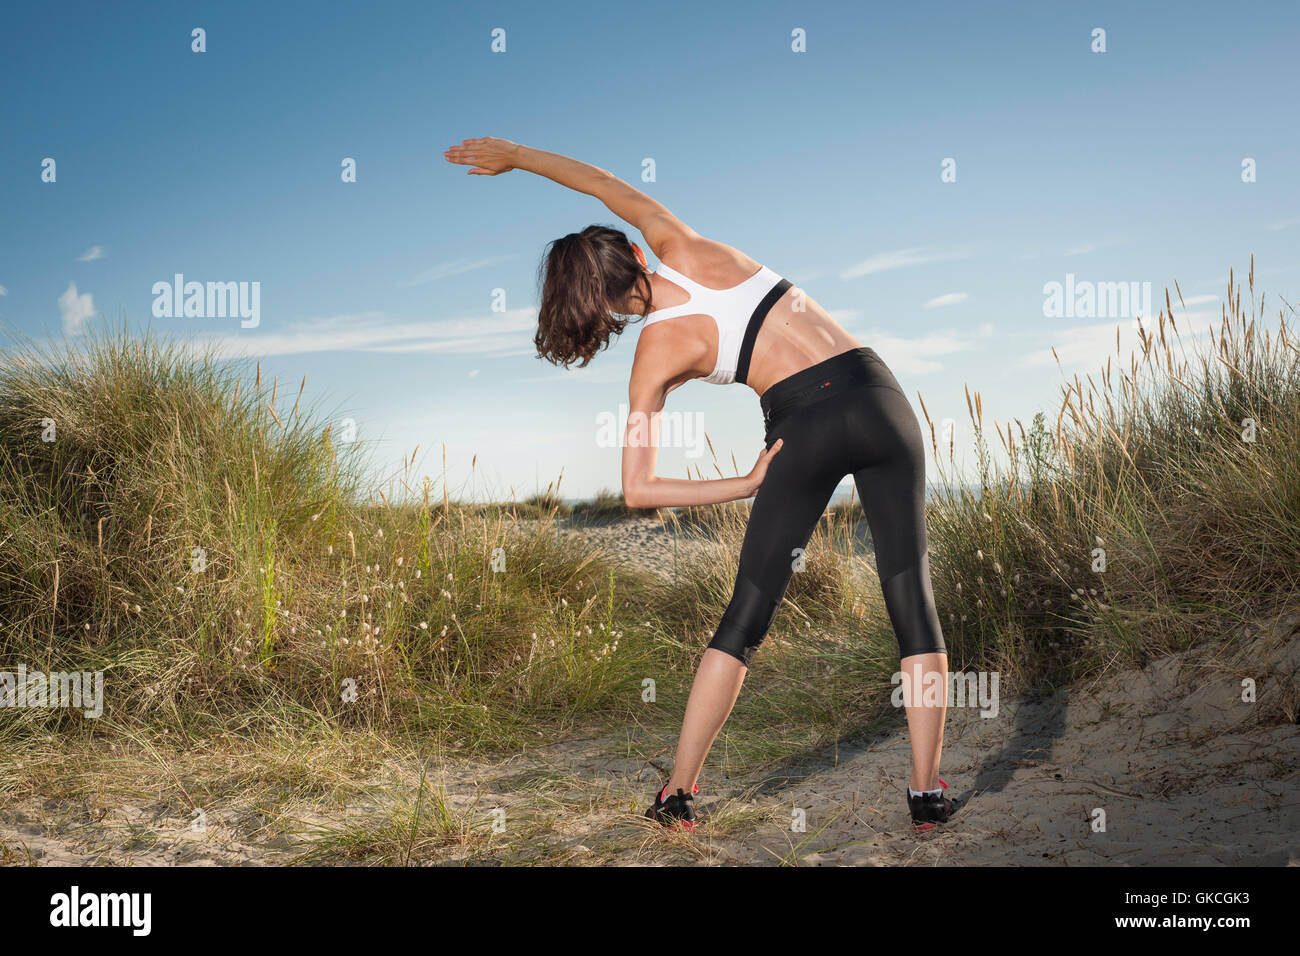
796, 333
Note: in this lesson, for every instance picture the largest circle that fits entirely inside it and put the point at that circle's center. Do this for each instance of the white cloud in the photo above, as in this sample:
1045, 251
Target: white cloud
915, 356
1284, 224
91, 254
952, 298
454, 268
1198, 300
899, 259
3, 290
1086, 348
985, 330
76, 309
497, 334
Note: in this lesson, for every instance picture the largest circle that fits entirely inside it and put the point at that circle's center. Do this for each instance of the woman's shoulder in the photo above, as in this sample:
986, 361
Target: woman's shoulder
708, 262
667, 357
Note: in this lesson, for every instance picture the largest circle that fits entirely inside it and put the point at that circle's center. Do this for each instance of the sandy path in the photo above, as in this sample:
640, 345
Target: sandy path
1185, 772
641, 544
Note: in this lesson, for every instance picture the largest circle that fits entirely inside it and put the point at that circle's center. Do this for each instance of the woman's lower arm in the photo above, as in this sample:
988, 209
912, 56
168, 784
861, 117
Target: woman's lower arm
682, 492
566, 171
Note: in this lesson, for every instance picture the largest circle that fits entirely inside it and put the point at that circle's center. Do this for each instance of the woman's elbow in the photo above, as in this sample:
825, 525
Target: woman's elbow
635, 497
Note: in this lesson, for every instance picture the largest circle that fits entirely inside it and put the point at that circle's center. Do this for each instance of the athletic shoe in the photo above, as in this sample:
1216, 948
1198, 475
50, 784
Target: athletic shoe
676, 812
930, 809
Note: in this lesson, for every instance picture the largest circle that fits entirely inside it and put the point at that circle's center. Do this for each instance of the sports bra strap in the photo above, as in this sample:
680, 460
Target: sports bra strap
689, 307
687, 283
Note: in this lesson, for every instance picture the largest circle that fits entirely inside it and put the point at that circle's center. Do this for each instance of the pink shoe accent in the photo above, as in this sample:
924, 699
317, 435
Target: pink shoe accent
696, 789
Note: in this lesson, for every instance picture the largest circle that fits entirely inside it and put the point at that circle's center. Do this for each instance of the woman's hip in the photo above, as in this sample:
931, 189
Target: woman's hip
833, 379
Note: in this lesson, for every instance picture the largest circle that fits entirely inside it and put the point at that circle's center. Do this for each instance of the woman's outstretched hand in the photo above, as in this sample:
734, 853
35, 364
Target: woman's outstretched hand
760, 467
488, 156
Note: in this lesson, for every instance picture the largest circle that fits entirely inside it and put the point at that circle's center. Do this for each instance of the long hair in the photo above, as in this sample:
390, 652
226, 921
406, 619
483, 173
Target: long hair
585, 278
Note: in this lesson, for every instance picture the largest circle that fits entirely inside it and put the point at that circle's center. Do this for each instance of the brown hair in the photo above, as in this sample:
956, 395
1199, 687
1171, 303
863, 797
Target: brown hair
586, 277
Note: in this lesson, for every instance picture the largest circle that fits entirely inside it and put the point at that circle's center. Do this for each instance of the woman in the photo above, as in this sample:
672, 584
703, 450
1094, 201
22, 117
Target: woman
831, 407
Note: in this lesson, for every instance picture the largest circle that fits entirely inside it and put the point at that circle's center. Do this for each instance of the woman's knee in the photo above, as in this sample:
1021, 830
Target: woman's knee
746, 621
909, 599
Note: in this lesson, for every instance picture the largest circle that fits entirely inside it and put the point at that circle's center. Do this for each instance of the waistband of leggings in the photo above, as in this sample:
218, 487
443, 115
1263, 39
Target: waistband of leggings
835, 375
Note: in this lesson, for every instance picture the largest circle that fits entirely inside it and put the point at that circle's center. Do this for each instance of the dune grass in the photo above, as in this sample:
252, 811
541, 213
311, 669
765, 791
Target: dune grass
1158, 508
204, 543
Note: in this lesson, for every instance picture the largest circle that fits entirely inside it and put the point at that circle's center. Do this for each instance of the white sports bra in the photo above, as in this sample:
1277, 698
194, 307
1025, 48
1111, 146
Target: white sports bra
738, 313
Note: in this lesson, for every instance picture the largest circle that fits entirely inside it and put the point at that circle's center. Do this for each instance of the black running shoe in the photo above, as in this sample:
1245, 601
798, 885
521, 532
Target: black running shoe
677, 812
929, 810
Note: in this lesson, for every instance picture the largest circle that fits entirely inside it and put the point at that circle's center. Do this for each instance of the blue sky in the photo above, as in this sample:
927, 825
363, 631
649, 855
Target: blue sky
1122, 166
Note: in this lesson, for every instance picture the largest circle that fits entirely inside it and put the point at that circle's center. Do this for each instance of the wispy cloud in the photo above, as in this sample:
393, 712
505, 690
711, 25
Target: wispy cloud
916, 356
3, 290
91, 254
454, 268
1284, 224
1086, 347
899, 259
952, 298
497, 334
76, 309
1199, 299
1082, 346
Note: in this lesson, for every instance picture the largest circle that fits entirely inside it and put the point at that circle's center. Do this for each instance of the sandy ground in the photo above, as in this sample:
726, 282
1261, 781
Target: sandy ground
642, 544
1164, 765
650, 545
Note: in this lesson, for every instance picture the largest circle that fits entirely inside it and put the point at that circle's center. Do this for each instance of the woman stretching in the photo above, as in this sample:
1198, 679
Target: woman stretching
831, 408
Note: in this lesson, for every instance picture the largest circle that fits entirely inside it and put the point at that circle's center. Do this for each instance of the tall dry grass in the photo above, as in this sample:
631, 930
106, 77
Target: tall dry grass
206, 542
1158, 507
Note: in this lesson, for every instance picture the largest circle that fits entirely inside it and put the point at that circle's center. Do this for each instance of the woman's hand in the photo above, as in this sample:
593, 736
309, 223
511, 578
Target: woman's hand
489, 156
759, 472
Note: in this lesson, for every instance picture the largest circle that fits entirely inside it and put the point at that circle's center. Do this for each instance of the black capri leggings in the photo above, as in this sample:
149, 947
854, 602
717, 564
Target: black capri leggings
846, 415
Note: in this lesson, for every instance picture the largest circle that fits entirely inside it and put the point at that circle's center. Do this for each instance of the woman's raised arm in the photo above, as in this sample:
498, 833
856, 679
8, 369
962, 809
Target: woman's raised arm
491, 156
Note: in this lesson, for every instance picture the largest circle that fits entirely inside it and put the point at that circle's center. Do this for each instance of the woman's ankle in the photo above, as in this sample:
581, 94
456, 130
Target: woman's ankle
672, 787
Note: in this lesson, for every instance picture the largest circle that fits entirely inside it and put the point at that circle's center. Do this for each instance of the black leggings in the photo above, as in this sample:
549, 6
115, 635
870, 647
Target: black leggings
846, 415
